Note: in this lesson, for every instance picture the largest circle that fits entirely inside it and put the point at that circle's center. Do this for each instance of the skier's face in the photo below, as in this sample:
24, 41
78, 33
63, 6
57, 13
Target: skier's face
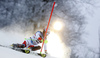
44, 34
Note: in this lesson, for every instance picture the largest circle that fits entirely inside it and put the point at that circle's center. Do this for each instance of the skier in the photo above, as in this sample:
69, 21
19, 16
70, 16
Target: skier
32, 42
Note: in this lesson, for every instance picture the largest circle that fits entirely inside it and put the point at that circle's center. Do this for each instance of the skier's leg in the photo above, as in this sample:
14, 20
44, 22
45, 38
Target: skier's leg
21, 46
18, 45
24, 43
35, 48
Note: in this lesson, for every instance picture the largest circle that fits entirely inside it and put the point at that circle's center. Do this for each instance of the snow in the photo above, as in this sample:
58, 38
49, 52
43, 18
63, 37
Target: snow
56, 47
8, 37
9, 53
92, 29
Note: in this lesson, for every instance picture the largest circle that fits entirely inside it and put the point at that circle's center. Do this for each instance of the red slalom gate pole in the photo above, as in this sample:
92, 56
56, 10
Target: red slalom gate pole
47, 27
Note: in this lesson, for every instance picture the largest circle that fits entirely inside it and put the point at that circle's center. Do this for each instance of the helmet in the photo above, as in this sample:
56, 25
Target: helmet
48, 31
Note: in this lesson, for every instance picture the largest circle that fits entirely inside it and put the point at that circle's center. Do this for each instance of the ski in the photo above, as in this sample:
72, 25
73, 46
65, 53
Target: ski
5, 46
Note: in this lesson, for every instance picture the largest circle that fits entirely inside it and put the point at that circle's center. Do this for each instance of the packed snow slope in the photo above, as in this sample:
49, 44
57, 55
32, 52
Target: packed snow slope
9, 53
7, 38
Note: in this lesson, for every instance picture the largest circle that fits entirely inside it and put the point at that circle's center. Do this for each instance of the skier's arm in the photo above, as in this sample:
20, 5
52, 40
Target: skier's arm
38, 36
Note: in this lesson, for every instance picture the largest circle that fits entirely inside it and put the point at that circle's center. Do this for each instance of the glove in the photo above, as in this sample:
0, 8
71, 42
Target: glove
28, 48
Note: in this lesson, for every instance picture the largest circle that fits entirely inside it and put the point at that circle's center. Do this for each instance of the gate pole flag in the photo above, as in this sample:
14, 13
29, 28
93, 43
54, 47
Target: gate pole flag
47, 27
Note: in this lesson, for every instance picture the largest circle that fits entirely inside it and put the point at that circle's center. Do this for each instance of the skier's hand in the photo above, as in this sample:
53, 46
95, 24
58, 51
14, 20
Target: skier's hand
28, 48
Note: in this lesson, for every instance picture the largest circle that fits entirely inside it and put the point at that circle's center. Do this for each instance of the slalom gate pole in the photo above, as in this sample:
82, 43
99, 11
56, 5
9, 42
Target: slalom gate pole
47, 27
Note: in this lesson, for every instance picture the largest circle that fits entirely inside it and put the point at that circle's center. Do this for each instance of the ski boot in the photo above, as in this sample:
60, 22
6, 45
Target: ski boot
42, 55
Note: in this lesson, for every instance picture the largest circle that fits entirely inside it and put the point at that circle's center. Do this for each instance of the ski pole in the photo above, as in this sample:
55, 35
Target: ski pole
47, 27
